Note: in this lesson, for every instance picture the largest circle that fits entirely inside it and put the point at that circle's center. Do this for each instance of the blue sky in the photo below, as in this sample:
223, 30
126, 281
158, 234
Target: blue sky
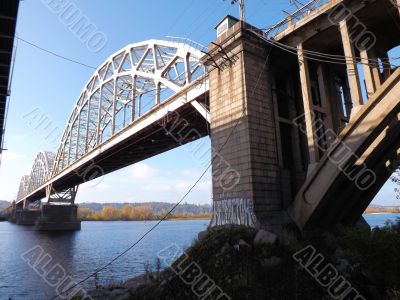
51, 86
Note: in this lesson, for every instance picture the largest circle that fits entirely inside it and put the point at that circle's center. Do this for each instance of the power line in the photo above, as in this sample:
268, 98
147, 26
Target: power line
180, 16
55, 54
241, 8
142, 237
340, 58
324, 57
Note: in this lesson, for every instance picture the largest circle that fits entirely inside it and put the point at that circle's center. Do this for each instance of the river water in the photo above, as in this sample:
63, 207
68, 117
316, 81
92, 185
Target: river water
80, 253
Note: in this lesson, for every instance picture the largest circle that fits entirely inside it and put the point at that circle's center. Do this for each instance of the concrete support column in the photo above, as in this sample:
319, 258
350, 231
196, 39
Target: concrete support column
386, 66
375, 68
308, 106
245, 171
352, 71
326, 105
368, 73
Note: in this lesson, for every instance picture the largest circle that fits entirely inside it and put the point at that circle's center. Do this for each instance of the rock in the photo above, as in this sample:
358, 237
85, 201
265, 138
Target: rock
339, 253
374, 291
344, 267
288, 238
224, 248
370, 276
164, 282
243, 244
330, 241
99, 294
273, 261
264, 237
118, 294
202, 235
135, 282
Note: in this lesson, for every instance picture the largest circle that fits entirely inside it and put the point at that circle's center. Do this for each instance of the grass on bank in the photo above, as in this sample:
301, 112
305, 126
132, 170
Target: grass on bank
370, 260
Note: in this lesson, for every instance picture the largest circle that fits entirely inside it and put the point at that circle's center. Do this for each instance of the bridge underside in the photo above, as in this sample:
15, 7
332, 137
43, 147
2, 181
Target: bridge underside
8, 21
166, 132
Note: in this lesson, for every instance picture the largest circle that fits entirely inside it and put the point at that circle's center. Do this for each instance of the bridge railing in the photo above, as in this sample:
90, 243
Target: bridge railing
295, 17
189, 42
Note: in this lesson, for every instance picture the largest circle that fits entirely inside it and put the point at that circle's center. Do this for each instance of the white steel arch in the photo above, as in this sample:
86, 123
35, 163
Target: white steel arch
40, 173
23, 187
124, 88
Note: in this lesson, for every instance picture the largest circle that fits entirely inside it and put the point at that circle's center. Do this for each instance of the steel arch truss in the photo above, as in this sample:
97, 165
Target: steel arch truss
40, 173
23, 187
126, 87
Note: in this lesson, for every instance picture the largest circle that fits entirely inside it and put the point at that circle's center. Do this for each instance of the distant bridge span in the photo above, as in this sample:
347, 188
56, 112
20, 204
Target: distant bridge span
132, 108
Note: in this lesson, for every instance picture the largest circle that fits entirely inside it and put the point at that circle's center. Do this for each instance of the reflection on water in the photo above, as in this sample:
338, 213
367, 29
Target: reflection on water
81, 252
380, 219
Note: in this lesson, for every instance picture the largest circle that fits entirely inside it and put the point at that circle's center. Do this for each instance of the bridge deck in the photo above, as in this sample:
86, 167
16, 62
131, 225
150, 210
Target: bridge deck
8, 21
144, 138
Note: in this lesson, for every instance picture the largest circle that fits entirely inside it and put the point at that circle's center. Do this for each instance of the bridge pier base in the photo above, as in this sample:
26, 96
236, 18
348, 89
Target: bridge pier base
24, 217
56, 217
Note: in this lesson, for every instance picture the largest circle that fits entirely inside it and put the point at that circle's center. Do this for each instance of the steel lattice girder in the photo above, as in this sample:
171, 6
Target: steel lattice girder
40, 173
128, 85
124, 88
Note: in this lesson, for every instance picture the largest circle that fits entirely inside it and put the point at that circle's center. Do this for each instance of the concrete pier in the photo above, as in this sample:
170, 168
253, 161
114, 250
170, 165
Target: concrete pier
26, 217
23, 216
246, 172
55, 217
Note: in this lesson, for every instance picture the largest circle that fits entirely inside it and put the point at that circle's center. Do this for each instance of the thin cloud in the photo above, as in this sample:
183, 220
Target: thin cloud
9, 156
143, 171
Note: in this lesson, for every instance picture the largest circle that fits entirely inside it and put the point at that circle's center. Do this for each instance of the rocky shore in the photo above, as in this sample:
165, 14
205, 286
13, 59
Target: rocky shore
244, 263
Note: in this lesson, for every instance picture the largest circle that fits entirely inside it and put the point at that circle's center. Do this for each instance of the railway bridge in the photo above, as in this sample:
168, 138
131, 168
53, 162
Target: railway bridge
303, 118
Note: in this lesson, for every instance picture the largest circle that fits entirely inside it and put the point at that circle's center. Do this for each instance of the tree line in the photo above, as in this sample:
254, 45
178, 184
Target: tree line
372, 210
135, 213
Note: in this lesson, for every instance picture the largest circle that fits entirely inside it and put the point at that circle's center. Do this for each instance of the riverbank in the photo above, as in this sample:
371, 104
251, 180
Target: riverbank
249, 264
142, 211
382, 210
147, 220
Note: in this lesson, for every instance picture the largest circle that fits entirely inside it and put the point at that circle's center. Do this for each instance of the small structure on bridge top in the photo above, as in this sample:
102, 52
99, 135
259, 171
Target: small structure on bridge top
225, 24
